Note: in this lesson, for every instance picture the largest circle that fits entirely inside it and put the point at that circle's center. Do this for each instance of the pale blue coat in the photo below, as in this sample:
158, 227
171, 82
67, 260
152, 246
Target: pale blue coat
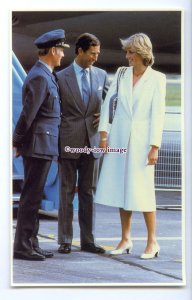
125, 180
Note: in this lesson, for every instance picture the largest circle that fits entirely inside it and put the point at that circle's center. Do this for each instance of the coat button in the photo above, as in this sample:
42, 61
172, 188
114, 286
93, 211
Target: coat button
47, 132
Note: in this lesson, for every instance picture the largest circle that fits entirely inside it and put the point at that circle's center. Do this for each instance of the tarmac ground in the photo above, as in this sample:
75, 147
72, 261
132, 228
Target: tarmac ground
86, 269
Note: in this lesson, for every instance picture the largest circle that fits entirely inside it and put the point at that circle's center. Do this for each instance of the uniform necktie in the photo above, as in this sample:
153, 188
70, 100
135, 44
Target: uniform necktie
85, 87
55, 76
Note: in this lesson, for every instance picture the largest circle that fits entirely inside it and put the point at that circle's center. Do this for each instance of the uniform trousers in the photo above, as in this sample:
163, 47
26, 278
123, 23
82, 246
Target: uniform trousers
35, 174
83, 172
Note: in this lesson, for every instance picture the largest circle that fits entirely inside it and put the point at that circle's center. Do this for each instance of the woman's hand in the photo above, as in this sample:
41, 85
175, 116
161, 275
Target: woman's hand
103, 140
153, 156
103, 144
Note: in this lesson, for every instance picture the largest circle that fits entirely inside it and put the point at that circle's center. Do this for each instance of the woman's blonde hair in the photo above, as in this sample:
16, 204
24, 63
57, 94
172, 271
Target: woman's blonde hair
141, 43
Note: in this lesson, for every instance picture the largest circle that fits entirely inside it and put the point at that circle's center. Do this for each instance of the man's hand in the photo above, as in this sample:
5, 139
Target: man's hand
16, 152
96, 120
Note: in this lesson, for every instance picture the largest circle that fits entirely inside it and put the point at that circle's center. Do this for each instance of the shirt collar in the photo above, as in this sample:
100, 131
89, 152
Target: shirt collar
46, 65
78, 69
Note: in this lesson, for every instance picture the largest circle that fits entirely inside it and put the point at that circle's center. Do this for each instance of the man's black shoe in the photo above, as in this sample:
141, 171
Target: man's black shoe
47, 254
65, 248
34, 256
90, 247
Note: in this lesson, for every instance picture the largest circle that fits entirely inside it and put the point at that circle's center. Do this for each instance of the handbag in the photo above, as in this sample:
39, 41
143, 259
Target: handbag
114, 98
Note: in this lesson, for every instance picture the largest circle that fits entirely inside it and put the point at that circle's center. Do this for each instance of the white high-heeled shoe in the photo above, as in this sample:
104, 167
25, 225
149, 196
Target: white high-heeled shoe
155, 252
127, 250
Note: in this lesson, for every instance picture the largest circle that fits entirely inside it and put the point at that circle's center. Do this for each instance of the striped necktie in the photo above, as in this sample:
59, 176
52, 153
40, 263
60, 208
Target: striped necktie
85, 87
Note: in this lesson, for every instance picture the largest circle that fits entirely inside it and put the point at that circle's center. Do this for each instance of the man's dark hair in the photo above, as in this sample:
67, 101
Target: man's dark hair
85, 41
43, 52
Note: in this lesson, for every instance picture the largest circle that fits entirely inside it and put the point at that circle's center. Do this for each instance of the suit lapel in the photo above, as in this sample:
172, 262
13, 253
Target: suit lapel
74, 88
140, 84
126, 89
47, 71
143, 79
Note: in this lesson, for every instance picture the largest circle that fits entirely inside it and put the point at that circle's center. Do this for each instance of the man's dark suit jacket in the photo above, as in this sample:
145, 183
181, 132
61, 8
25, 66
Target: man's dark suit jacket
76, 120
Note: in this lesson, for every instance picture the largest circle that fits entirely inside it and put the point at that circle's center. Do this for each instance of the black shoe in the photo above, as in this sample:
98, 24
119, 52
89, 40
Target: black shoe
47, 254
32, 255
65, 248
91, 247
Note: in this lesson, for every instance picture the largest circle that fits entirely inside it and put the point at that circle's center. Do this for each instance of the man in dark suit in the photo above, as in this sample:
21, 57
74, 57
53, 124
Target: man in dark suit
82, 88
36, 139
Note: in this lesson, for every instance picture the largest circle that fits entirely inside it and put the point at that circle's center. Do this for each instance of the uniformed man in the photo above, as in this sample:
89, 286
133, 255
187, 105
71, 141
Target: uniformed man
36, 139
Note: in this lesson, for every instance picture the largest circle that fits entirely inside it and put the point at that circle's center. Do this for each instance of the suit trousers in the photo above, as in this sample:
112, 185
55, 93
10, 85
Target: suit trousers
35, 174
84, 172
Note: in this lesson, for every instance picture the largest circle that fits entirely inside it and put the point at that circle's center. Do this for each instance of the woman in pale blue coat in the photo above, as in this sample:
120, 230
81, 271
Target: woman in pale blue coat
127, 180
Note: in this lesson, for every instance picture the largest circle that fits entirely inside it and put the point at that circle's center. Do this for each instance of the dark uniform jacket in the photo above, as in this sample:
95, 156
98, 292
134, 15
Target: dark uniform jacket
37, 130
77, 129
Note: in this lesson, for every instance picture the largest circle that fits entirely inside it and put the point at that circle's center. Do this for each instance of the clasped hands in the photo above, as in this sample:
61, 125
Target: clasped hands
16, 152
